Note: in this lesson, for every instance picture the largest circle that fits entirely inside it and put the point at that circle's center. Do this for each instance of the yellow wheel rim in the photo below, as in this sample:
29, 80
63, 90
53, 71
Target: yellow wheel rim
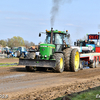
61, 63
76, 60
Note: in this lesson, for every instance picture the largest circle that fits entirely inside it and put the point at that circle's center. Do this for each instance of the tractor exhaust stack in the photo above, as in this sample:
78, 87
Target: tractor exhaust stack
51, 36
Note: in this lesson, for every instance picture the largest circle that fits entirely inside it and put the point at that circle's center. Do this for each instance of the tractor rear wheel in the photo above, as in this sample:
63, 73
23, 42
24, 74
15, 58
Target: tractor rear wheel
59, 67
75, 60
67, 56
23, 55
92, 65
18, 53
97, 62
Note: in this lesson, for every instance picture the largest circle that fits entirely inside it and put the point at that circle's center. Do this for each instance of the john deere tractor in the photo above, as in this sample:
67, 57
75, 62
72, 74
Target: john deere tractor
55, 54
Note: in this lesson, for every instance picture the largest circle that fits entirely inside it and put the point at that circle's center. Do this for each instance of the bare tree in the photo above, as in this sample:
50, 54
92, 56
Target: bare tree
28, 44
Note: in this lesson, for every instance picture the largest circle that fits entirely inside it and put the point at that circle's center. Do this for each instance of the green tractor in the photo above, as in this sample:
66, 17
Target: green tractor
55, 54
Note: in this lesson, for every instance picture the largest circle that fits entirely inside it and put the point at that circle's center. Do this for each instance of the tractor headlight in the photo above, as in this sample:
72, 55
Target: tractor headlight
45, 56
25, 52
12, 52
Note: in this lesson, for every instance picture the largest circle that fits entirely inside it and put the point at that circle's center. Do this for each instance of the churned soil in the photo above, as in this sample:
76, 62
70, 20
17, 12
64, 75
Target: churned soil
19, 84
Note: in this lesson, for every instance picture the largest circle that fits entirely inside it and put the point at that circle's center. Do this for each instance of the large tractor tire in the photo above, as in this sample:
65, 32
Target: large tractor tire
18, 54
75, 60
31, 55
59, 67
67, 57
97, 62
22, 55
81, 66
92, 65
30, 68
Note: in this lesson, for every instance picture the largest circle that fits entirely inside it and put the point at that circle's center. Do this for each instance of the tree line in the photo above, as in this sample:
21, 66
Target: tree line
16, 41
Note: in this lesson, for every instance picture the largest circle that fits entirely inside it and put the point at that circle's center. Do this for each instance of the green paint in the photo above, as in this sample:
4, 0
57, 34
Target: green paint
46, 50
56, 31
37, 62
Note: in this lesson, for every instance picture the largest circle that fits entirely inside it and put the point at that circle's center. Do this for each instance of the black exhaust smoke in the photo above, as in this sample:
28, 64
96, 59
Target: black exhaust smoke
55, 9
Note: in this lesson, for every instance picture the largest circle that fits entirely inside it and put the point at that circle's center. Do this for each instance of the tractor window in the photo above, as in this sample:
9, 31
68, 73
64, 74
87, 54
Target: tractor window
58, 39
48, 37
23, 49
47, 40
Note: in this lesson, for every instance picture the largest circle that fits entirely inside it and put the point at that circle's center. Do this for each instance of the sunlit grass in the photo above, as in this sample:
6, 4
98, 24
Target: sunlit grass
89, 95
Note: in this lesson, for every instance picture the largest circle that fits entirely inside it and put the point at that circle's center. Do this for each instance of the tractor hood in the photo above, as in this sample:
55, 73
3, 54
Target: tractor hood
47, 45
46, 51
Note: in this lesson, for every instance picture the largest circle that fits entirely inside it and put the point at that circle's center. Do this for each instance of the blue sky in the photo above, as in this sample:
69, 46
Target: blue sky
26, 18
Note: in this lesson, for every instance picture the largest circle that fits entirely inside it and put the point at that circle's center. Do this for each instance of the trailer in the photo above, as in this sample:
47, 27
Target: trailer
90, 59
90, 53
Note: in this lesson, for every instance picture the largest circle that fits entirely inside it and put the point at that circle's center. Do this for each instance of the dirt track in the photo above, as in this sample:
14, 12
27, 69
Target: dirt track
22, 85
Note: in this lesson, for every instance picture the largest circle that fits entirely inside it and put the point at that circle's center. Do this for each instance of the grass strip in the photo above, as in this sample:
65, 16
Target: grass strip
7, 64
90, 94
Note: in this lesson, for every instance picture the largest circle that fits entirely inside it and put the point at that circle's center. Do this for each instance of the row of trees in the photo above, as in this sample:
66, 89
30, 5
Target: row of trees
15, 42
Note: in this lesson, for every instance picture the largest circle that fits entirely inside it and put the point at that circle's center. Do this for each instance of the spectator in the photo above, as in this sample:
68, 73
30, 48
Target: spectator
37, 55
85, 42
91, 42
78, 43
8, 53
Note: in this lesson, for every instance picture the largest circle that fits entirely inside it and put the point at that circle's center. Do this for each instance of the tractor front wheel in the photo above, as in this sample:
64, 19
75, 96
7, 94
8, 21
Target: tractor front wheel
59, 67
30, 68
92, 65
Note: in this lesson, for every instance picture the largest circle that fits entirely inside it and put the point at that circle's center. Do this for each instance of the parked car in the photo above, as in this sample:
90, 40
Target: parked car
5, 49
14, 50
12, 54
21, 52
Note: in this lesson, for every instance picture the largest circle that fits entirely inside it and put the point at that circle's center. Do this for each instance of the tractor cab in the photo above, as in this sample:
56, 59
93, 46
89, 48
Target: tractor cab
57, 38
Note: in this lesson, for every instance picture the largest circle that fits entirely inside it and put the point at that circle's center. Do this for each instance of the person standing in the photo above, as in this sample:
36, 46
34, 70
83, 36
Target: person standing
85, 42
8, 53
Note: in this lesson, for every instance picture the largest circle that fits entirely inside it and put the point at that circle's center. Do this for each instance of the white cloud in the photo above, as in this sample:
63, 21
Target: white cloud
73, 25
24, 18
17, 13
17, 25
42, 19
8, 18
11, 18
70, 24
42, 23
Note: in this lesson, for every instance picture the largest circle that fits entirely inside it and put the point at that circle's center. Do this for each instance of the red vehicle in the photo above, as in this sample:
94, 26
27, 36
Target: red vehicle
92, 58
